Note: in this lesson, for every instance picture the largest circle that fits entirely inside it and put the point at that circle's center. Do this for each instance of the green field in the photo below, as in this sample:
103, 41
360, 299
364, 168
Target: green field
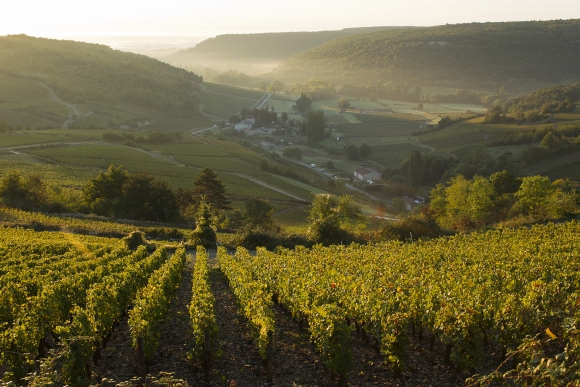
241, 92
221, 105
27, 103
392, 155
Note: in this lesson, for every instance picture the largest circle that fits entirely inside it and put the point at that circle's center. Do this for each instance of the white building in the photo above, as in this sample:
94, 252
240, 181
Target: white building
367, 174
244, 125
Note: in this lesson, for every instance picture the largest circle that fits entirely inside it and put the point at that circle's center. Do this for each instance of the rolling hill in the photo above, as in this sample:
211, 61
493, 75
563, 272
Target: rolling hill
81, 72
254, 53
483, 54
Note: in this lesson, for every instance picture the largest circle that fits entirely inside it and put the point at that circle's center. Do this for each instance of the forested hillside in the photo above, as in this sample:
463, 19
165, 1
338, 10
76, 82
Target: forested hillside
462, 54
80, 71
266, 47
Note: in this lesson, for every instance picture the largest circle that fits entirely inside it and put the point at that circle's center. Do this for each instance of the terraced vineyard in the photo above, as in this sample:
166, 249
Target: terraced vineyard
425, 313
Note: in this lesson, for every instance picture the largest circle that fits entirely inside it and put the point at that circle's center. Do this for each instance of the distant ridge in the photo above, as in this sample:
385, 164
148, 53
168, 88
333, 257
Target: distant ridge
475, 53
257, 48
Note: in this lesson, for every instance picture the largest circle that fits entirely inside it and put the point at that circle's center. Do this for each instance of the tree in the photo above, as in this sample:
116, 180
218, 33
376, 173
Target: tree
258, 214
351, 152
420, 106
504, 183
480, 198
415, 169
364, 151
36, 190
343, 104
13, 190
204, 234
209, 189
104, 193
145, 198
284, 117
293, 152
302, 104
330, 218
235, 119
315, 125
534, 194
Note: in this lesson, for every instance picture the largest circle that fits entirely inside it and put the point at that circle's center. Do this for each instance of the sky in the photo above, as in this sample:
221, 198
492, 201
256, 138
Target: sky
68, 18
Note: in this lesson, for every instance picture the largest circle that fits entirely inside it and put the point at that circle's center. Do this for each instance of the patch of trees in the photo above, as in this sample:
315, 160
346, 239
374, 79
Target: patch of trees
81, 71
293, 152
420, 169
120, 194
464, 204
557, 99
474, 54
234, 78
303, 104
26, 193
351, 152
316, 89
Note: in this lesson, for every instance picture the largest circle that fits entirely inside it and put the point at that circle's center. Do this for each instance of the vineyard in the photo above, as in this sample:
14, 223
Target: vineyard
503, 304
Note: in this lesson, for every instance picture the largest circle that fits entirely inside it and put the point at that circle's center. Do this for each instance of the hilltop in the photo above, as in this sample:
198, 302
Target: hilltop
251, 52
81, 72
482, 54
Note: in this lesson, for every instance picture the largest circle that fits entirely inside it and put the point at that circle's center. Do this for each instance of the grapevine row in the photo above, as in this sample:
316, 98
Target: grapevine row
465, 290
254, 298
106, 303
152, 305
202, 312
38, 316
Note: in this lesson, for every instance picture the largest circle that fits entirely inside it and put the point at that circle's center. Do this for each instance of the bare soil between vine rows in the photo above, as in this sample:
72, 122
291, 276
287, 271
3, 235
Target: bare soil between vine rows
296, 362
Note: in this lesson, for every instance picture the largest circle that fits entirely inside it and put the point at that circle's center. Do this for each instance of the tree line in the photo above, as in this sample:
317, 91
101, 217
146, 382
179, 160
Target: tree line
117, 193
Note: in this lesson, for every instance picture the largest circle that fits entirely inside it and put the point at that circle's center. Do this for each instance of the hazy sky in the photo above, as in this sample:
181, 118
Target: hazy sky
59, 18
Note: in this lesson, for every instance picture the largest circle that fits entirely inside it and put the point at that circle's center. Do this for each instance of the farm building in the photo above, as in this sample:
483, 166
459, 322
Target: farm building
367, 174
244, 125
410, 203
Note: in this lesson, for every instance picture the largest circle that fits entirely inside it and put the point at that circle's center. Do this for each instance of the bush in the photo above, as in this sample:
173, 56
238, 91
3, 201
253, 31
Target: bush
164, 233
134, 240
203, 236
403, 229
252, 239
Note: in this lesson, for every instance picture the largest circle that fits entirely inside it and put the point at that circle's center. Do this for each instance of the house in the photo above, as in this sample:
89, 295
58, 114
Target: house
251, 118
410, 203
367, 174
244, 125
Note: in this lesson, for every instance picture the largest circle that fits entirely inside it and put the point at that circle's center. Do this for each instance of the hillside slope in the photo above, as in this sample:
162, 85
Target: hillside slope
265, 48
486, 53
81, 72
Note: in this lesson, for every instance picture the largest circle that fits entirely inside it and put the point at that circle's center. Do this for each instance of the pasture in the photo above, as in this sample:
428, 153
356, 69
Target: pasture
27, 103
233, 90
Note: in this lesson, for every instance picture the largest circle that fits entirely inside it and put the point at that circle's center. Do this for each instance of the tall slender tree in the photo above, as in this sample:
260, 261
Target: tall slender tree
415, 169
209, 189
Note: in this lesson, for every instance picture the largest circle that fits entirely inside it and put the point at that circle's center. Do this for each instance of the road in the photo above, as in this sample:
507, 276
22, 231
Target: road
73, 109
264, 101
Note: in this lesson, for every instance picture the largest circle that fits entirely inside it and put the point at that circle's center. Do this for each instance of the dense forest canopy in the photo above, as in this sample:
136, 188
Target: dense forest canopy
461, 54
264, 46
81, 71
